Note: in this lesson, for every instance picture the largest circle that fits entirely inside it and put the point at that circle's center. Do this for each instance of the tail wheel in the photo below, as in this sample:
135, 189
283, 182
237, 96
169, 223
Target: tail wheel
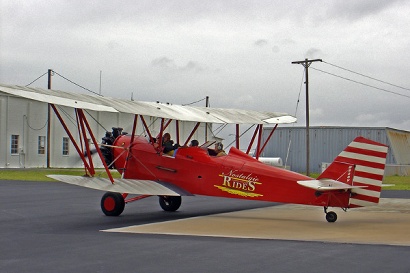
112, 204
170, 203
331, 216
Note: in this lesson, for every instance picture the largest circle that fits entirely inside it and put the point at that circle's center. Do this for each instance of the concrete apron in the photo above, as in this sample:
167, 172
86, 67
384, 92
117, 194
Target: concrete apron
388, 224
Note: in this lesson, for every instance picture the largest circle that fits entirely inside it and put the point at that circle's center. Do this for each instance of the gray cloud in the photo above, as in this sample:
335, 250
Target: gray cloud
192, 66
275, 49
314, 53
261, 42
166, 63
165, 48
163, 62
353, 10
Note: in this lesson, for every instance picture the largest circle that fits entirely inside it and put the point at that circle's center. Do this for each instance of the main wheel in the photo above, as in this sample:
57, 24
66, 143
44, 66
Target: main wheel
331, 216
170, 203
112, 203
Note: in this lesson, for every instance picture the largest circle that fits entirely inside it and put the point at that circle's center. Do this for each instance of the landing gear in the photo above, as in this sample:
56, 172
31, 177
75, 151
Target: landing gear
331, 216
170, 203
112, 204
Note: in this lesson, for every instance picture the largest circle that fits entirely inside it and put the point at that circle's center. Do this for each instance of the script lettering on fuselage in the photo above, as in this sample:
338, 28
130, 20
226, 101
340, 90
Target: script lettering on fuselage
239, 183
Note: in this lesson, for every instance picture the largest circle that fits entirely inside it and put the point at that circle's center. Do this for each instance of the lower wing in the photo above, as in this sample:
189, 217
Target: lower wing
132, 186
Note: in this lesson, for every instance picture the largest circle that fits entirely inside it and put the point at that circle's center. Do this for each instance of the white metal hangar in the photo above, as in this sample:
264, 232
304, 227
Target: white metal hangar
326, 142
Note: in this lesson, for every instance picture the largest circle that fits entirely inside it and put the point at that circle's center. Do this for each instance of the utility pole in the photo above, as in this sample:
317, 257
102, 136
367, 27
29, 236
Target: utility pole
50, 74
306, 63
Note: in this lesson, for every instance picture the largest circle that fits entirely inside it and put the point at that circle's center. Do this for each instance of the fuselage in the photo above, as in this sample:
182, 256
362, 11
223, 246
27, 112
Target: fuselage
236, 175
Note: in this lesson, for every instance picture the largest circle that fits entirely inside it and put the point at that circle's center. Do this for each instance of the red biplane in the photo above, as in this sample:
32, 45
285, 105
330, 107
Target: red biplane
354, 179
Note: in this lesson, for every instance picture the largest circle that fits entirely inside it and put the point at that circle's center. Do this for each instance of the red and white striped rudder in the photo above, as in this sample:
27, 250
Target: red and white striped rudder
367, 158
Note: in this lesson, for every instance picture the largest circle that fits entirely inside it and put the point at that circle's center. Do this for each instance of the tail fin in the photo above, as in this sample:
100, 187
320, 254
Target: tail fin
362, 163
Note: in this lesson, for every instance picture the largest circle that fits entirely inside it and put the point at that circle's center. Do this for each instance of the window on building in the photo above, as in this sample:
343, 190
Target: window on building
41, 145
14, 147
65, 146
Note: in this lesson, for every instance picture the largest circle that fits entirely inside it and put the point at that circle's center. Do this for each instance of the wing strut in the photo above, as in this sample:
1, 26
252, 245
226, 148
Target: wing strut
259, 141
267, 140
258, 132
177, 129
237, 136
129, 150
72, 139
192, 133
83, 121
252, 139
81, 129
165, 127
146, 129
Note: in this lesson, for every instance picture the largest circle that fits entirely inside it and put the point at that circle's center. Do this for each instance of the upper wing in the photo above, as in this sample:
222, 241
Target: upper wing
132, 186
155, 109
327, 185
56, 97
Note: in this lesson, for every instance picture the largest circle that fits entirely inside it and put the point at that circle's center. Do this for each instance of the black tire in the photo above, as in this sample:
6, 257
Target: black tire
170, 203
112, 203
331, 216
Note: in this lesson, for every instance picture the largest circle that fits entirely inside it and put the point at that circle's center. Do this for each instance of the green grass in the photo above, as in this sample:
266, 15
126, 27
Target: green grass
400, 182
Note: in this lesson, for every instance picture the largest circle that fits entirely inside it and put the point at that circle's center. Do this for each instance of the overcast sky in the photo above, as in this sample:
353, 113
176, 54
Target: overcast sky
238, 53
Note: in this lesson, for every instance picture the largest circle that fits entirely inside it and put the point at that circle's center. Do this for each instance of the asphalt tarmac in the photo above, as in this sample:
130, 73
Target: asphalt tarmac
54, 227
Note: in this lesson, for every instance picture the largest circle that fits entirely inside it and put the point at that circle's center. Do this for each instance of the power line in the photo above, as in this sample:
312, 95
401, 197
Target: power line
357, 73
32, 128
37, 79
194, 102
78, 84
368, 85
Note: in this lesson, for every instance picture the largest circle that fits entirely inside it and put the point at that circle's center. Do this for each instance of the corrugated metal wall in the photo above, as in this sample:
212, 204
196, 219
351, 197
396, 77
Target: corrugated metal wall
400, 145
326, 143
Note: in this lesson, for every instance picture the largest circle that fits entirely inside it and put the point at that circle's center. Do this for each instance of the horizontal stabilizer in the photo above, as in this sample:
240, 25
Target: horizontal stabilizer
327, 185
132, 186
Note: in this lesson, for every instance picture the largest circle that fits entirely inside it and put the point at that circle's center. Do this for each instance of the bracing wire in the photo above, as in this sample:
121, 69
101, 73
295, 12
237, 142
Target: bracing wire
69, 117
96, 120
220, 128
250, 127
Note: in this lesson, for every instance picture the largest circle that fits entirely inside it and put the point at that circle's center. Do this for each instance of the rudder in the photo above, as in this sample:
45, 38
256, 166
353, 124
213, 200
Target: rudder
361, 163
